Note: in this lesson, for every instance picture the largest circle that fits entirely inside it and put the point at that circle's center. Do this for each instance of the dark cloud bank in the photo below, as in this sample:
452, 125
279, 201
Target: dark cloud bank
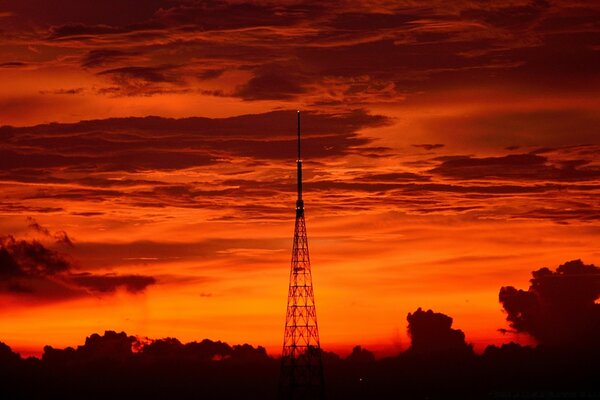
439, 364
139, 144
29, 269
357, 48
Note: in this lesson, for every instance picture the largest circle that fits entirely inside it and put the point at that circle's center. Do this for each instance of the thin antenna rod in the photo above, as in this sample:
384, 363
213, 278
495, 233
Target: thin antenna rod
299, 203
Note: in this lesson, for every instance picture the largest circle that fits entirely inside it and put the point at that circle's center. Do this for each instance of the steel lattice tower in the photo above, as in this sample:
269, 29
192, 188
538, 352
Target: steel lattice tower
301, 364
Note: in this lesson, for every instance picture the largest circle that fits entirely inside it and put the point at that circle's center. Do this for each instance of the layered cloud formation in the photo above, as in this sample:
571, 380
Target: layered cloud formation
324, 55
149, 161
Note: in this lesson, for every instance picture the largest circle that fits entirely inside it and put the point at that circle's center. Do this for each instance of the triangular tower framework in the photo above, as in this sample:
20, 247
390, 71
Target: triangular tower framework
301, 362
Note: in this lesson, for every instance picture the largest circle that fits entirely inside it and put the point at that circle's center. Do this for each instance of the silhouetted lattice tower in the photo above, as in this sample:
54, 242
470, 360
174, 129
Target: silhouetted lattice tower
301, 364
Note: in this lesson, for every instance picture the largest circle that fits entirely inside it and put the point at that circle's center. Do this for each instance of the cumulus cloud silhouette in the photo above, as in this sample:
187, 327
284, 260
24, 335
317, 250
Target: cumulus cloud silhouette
559, 308
432, 333
30, 268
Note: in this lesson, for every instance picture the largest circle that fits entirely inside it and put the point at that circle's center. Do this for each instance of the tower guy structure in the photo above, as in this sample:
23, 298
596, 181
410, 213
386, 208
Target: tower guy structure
301, 363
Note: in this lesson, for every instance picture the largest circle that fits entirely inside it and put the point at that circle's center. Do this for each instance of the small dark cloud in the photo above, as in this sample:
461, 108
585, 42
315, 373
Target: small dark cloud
428, 146
156, 74
80, 30
13, 64
516, 166
102, 57
211, 73
273, 82
63, 238
88, 213
559, 308
110, 283
144, 80
63, 91
395, 177
33, 224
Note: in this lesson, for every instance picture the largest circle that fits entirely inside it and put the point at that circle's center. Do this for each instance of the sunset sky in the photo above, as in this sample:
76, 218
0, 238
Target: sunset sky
450, 148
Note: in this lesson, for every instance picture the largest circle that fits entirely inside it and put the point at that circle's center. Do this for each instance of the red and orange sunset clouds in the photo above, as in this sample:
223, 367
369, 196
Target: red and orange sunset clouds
147, 164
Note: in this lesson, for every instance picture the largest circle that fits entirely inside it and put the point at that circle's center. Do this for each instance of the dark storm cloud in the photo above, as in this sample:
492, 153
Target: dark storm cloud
28, 268
559, 308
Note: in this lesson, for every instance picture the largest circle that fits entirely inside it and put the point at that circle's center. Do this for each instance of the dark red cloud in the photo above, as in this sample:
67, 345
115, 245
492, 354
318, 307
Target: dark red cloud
33, 224
29, 268
344, 51
60, 237
78, 157
552, 127
429, 146
213, 15
13, 64
110, 283
100, 254
135, 80
559, 308
78, 30
102, 57
274, 82
130, 144
21, 258
113, 12
517, 167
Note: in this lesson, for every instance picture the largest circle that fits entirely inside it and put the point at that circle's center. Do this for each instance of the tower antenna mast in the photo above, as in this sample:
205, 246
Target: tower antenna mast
301, 362
299, 202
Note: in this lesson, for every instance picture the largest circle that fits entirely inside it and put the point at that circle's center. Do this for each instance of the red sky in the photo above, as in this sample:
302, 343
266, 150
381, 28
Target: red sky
450, 149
